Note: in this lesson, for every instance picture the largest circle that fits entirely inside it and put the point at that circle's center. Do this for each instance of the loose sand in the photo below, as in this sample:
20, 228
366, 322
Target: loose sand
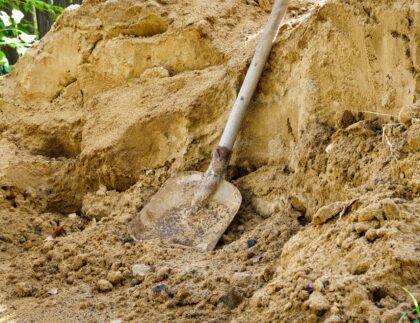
121, 95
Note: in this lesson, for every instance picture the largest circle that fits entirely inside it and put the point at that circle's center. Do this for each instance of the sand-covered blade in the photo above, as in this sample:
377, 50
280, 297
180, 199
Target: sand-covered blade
173, 215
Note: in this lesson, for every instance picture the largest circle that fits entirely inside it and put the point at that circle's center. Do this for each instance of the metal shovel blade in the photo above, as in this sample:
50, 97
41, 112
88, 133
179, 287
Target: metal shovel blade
172, 215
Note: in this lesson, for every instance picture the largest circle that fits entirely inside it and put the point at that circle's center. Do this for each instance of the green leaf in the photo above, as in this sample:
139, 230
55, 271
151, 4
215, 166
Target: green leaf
416, 305
4, 63
403, 316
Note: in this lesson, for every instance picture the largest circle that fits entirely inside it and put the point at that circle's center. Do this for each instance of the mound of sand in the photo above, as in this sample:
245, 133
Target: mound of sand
120, 95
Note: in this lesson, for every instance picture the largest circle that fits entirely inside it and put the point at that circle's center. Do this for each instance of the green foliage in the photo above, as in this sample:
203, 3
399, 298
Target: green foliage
18, 32
415, 310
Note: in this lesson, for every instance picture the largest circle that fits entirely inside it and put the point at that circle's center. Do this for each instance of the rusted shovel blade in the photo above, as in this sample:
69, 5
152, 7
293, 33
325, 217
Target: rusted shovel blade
171, 215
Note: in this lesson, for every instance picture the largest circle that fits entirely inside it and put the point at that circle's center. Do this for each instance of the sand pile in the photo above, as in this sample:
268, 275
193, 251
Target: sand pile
121, 95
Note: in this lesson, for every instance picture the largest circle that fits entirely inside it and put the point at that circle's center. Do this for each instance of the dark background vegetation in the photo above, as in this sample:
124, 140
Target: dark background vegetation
39, 16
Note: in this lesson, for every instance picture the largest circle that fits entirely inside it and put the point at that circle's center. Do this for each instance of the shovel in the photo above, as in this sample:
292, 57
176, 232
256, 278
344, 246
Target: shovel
194, 208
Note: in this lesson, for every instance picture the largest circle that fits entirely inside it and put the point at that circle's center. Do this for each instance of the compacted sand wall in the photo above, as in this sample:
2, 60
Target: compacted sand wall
120, 95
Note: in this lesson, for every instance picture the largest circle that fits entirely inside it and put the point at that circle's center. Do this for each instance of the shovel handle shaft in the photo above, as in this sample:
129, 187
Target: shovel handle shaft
248, 87
253, 75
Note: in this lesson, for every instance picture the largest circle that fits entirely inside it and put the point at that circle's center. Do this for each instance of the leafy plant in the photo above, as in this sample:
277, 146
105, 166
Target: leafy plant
415, 310
18, 32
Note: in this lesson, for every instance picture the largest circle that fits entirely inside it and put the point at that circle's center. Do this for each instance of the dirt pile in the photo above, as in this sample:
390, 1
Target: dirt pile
121, 95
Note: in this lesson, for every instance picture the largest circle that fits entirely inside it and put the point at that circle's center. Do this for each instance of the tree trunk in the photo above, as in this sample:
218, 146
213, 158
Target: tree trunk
44, 19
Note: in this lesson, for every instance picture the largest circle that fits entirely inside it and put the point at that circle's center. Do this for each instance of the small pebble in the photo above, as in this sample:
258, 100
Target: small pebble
309, 288
53, 291
104, 285
251, 243
329, 148
72, 216
371, 234
159, 288
115, 277
140, 270
256, 259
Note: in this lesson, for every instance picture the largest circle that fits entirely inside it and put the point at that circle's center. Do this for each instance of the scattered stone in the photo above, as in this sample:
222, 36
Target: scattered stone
329, 211
256, 259
371, 234
159, 288
72, 216
23, 289
115, 277
309, 288
49, 238
329, 148
318, 303
140, 270
52, 291
104, 285
251, 243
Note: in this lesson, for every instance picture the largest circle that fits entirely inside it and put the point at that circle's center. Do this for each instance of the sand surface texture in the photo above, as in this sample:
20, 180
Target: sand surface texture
121, 95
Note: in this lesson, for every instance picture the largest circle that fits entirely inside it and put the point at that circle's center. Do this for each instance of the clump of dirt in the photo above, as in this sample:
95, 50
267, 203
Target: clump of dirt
121, 95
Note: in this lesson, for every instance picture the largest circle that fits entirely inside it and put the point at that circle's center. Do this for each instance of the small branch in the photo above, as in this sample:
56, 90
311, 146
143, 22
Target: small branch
380, 114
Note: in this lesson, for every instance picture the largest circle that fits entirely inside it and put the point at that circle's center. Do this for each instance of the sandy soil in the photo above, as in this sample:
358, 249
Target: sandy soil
121, 95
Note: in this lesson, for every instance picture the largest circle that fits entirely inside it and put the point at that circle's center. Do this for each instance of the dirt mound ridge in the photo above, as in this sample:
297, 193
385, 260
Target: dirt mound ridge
120, 95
